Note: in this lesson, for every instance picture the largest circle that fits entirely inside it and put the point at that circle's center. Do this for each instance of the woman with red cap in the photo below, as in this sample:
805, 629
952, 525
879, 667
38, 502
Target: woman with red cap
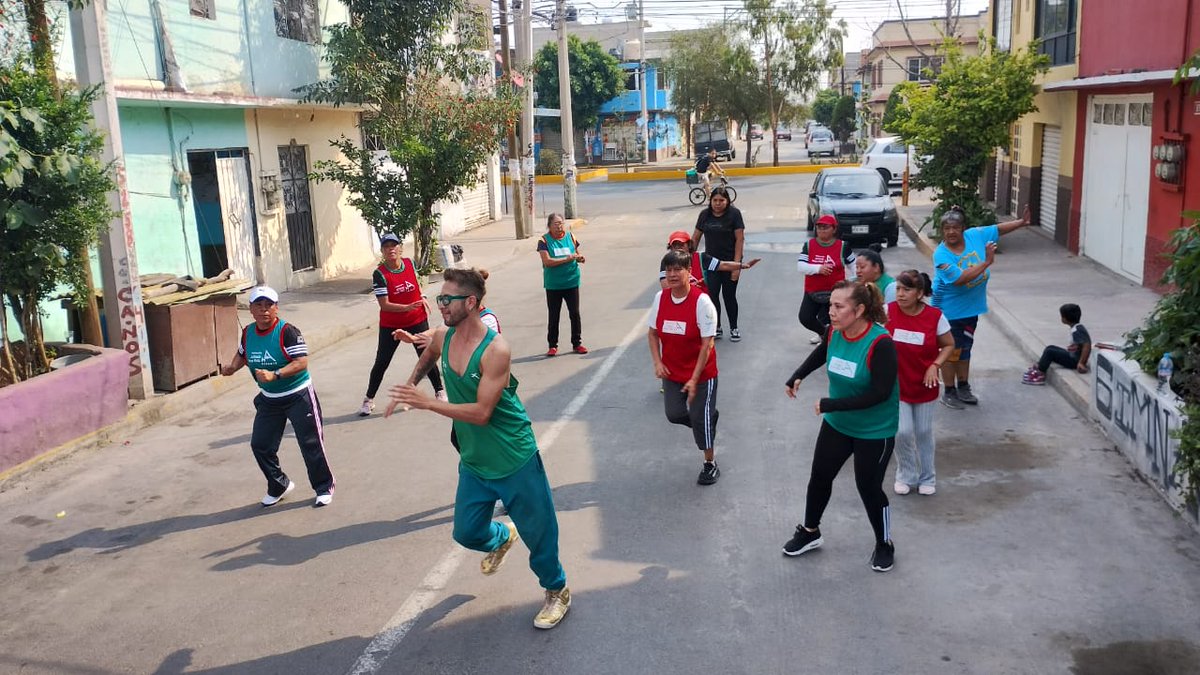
824, 261
702, 262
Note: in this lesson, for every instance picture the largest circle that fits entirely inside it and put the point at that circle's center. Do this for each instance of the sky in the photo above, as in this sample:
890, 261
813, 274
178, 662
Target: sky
861, 16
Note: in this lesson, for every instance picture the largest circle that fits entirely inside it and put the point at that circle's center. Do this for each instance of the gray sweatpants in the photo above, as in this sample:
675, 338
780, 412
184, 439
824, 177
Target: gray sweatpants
915, 444
701, 416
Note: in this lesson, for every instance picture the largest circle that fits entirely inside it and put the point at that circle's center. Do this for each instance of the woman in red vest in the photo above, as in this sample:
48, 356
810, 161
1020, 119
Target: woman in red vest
923, 342
683, 327
702, 262
401, 305
824, 261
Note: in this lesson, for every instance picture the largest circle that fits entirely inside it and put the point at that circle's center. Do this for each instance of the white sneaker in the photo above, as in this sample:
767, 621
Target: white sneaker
900, 488
272, 501
323, 499
927, 490
814, 340
367, 408
440, 395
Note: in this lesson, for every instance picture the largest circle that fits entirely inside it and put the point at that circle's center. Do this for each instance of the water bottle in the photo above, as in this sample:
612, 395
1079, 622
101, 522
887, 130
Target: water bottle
1165, 367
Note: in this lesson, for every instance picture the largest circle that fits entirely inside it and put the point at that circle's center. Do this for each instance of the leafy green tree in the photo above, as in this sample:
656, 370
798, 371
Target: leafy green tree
889, 111
823, 105
844, 118
957, 121
430, 107
596, 78
798, 41
690, 67
53, 197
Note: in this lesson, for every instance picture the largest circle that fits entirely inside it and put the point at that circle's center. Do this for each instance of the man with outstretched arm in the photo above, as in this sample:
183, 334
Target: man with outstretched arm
499, 454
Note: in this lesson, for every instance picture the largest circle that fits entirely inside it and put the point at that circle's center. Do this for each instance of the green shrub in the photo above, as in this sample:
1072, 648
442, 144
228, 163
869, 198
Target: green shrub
549, 162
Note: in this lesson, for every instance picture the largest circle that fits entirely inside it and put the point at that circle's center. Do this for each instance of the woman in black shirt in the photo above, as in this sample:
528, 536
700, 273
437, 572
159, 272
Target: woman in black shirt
721, 227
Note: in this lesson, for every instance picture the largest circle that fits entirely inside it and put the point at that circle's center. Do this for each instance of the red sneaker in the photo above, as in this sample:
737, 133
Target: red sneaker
580, 349
553, 351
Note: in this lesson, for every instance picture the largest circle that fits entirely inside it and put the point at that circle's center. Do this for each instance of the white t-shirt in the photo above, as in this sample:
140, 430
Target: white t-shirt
706, 312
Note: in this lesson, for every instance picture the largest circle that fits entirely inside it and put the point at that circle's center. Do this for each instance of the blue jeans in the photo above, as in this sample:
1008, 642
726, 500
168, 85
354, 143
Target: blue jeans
526, 496
915, 444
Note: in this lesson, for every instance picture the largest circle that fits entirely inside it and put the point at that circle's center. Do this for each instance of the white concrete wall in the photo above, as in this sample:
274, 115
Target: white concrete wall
1135, 416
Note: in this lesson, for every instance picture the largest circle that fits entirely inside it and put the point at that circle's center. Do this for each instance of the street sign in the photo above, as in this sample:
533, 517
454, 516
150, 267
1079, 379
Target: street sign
547, 112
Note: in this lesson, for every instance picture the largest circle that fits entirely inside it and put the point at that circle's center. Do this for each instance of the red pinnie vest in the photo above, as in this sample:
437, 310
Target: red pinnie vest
402, 289
697, 272
915, 338
680, 337
818, 255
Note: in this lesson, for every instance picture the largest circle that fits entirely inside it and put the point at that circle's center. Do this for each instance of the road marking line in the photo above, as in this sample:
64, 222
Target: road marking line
424, 596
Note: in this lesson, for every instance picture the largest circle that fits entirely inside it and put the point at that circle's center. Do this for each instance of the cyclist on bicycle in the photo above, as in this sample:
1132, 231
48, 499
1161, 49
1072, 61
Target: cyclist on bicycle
706, 166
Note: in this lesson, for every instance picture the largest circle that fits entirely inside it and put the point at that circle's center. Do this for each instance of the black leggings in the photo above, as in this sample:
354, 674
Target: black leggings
1062, 357
814, 315
554, 301
387, 349
721, 284
871, 457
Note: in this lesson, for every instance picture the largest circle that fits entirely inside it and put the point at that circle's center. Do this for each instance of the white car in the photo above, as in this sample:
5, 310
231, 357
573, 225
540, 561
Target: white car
821, 142
887, 155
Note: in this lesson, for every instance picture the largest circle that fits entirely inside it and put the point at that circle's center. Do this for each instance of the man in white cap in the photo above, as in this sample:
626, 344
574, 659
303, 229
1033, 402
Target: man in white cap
278, 360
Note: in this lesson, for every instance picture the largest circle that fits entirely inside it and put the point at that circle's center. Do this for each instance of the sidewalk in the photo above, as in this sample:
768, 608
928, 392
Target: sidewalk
326, 313
1033, 276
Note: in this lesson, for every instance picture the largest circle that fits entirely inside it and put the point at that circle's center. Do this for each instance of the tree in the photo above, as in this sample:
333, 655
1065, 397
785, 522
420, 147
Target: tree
823, 105
843, 121
53, 197
889, 111
799, 41
430, 107
690, 67
596, 78
957, 121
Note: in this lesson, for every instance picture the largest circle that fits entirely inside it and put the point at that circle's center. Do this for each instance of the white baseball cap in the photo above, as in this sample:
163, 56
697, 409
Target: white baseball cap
259, 292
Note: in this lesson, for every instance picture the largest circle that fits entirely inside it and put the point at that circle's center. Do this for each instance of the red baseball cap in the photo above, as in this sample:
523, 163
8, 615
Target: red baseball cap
678, 235
827, 219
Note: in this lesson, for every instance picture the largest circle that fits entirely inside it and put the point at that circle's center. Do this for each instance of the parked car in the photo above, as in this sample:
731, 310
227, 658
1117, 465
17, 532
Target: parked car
860, 201
821, 142
887, 156
784, 134
812, 127
713, 135
756, 132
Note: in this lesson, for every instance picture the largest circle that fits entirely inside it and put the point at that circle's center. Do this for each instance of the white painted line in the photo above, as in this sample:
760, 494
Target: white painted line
424, 596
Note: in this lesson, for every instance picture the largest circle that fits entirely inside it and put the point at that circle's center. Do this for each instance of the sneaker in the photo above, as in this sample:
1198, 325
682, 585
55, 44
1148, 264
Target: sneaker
1034, 377
814, 340
272, 500
900, 488
709, 474
440, 395
323, 499
884, 557
950, 400
554, 609
553, 351
492, 561
965, 395
367, 408
927, 489
803, 541
720, 332
580, 349
735, 335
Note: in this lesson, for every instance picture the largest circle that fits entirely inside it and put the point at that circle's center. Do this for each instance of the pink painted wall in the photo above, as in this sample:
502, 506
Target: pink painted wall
1119, 36
40, 414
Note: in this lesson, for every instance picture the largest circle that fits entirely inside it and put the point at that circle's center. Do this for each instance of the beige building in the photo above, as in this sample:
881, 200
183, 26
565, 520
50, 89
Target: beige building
1038, 168
903, 51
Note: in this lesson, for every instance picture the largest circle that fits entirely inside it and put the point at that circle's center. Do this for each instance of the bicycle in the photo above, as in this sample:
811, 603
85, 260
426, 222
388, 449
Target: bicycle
697, 197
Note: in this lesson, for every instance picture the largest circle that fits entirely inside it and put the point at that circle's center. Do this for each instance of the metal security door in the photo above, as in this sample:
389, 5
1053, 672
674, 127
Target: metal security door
237, 211
297, 202
1051, 144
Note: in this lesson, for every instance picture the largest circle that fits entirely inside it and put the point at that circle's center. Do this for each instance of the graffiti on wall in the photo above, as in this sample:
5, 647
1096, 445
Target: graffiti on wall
1140, 420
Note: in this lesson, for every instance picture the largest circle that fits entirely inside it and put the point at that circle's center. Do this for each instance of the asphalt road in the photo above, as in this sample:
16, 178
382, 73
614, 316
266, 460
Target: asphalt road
1041, 552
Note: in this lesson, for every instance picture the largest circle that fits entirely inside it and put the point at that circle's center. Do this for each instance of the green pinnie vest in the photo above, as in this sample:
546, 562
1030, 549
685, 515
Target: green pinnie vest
565, 276
265, 352
849, 375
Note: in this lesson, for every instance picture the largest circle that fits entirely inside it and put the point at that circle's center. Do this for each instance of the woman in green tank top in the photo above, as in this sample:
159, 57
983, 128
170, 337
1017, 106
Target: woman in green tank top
560, 276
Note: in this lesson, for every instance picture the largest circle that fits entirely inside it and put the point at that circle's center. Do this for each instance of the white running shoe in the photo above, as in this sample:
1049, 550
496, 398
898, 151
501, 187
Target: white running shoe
272, 501
927, 489
814, 340
368, 406
323, 499
901, 488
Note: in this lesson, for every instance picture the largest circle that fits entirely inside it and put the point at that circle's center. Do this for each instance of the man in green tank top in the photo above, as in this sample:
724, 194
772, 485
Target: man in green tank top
499, 454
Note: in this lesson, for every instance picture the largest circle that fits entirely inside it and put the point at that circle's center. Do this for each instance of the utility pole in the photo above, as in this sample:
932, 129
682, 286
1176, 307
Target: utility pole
524, 35
644, 82
564, 104
118, 259
514, 163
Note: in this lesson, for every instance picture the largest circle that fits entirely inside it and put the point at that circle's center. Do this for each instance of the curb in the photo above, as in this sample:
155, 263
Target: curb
676, 174
1076, 391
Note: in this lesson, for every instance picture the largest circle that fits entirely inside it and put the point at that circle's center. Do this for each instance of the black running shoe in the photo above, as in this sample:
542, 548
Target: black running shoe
709, 474
884, 557
803, 541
